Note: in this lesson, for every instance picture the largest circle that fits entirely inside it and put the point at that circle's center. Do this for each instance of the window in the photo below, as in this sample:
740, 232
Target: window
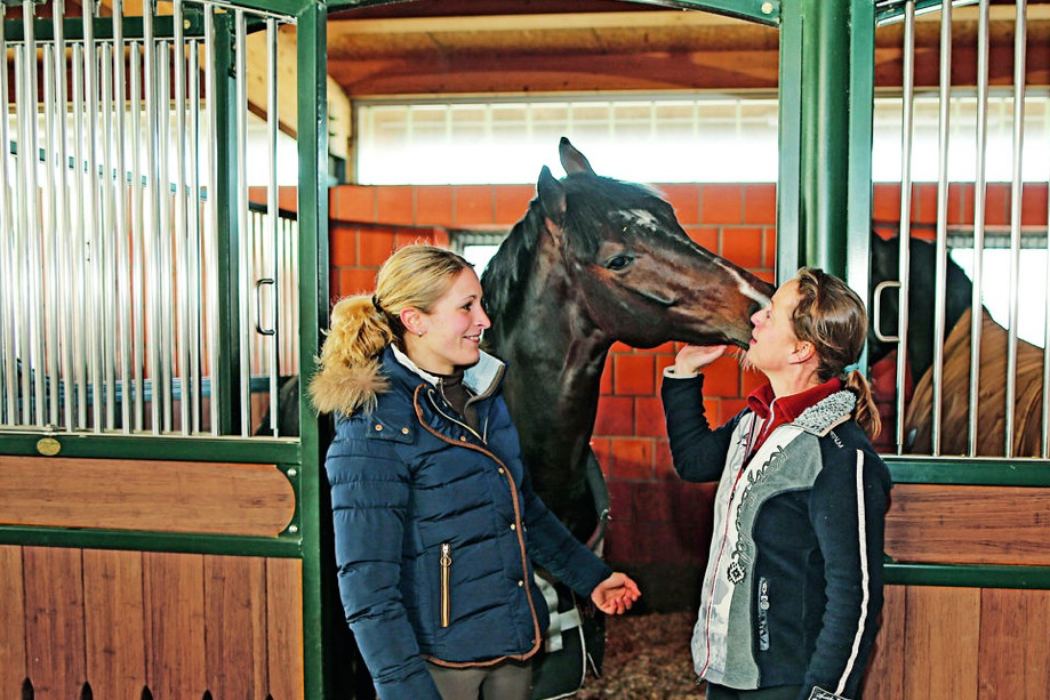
715, 137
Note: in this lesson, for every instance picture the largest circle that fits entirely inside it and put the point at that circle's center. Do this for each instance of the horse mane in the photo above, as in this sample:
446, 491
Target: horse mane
589, 199
505, 275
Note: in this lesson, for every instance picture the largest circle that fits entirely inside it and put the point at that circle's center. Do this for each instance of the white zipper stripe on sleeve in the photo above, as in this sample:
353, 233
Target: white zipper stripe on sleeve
863, 550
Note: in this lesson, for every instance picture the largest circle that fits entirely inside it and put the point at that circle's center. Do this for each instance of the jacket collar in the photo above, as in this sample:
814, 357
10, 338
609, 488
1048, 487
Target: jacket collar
483, 379
816, 410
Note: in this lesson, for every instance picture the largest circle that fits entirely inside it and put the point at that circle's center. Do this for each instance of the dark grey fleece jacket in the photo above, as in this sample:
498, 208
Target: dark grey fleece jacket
793, 586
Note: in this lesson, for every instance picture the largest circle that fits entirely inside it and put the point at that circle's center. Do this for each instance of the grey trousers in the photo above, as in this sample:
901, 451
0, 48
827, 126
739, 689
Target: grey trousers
783, 692
509, 680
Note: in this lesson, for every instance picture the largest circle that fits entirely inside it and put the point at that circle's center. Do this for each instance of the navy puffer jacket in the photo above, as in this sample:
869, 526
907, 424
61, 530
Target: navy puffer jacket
436, 529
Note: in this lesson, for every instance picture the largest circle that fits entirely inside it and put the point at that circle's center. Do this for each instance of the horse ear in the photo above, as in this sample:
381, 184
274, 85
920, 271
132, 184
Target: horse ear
552, 196
572, 160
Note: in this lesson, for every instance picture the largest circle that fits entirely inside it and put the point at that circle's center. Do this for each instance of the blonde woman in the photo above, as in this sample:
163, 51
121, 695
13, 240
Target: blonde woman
436, 524
793, 587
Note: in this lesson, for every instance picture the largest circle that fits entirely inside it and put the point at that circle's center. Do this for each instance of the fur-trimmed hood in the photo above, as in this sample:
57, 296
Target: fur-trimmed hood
343, 390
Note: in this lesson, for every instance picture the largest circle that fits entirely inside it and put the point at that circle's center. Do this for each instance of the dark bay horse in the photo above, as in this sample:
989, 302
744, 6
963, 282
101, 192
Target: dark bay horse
596, 260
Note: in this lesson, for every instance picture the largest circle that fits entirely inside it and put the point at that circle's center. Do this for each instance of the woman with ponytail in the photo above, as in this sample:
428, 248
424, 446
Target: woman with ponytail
793, 587
436, 523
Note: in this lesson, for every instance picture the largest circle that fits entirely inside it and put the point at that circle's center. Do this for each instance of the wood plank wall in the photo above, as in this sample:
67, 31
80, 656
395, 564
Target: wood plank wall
179, 625
940, 643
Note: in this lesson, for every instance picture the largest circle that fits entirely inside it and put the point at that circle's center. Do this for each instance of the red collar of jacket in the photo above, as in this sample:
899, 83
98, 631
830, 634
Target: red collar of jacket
786, 408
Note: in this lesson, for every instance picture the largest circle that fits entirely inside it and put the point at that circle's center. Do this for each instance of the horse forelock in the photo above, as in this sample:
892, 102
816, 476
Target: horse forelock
592, 200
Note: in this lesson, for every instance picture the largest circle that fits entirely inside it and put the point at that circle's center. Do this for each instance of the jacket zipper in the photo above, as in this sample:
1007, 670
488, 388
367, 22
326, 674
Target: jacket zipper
446, 577
518, 529
430, 395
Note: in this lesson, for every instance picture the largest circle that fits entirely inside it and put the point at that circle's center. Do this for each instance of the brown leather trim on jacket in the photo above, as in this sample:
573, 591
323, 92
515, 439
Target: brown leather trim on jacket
518, 530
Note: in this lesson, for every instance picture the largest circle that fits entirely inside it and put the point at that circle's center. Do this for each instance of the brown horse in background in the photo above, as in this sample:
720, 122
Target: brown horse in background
991, 393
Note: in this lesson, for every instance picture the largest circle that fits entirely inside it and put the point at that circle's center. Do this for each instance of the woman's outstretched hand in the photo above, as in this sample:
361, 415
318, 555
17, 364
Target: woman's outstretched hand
616, 594
692, 358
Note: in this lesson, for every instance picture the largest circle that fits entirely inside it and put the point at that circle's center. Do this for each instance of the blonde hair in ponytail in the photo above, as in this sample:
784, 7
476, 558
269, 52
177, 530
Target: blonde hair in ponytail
831, 316
349, 376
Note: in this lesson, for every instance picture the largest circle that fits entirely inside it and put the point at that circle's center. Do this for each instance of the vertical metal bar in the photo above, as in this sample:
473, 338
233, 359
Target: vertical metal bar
8, 252
80, 309
245, 237
979, 194
49, 262
289, 293
93, 280
313, 222
942, 222
904, 238
255, 226
164, 185
211, 220
825, 133
789, 125
195, 281
19, 278
120, 223
66, 249
107, 238
32, 203
138, 234
1045, 438
181, 231
858, 160
154, 194
1020, 32
296, 313
274, 218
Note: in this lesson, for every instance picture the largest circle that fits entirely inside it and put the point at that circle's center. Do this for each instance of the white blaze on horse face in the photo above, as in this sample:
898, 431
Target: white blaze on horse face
746, 289
641, 218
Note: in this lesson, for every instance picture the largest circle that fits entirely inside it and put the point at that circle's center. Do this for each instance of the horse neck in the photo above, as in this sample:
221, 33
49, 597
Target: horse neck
557, 355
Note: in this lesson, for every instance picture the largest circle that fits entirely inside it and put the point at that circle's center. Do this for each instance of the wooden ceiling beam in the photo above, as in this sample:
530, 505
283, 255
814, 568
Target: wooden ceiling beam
531, 22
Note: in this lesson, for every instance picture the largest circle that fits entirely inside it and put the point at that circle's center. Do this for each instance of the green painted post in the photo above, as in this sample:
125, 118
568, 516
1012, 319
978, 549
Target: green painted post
225, 199
319, 610
789, 192
826, 78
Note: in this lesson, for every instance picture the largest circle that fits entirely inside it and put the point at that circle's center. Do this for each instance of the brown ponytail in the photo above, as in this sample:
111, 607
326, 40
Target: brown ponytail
866, 413
831, 316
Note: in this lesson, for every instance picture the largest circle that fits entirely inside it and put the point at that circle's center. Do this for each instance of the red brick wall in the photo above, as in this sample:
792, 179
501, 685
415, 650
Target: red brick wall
656, 518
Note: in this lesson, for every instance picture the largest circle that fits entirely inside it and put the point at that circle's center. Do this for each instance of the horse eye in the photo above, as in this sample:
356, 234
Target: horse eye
619, 262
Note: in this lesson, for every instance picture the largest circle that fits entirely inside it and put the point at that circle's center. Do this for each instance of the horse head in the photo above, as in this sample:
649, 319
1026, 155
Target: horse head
632, 268
596, 260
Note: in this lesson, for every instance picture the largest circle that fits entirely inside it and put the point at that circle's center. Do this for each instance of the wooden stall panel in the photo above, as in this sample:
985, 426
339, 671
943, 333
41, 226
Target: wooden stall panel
161, 496
941, 643
1014, 645
284, 622
115, 623
938, 523
885, 676
12, 623
173, 587
54, 620
235, 604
